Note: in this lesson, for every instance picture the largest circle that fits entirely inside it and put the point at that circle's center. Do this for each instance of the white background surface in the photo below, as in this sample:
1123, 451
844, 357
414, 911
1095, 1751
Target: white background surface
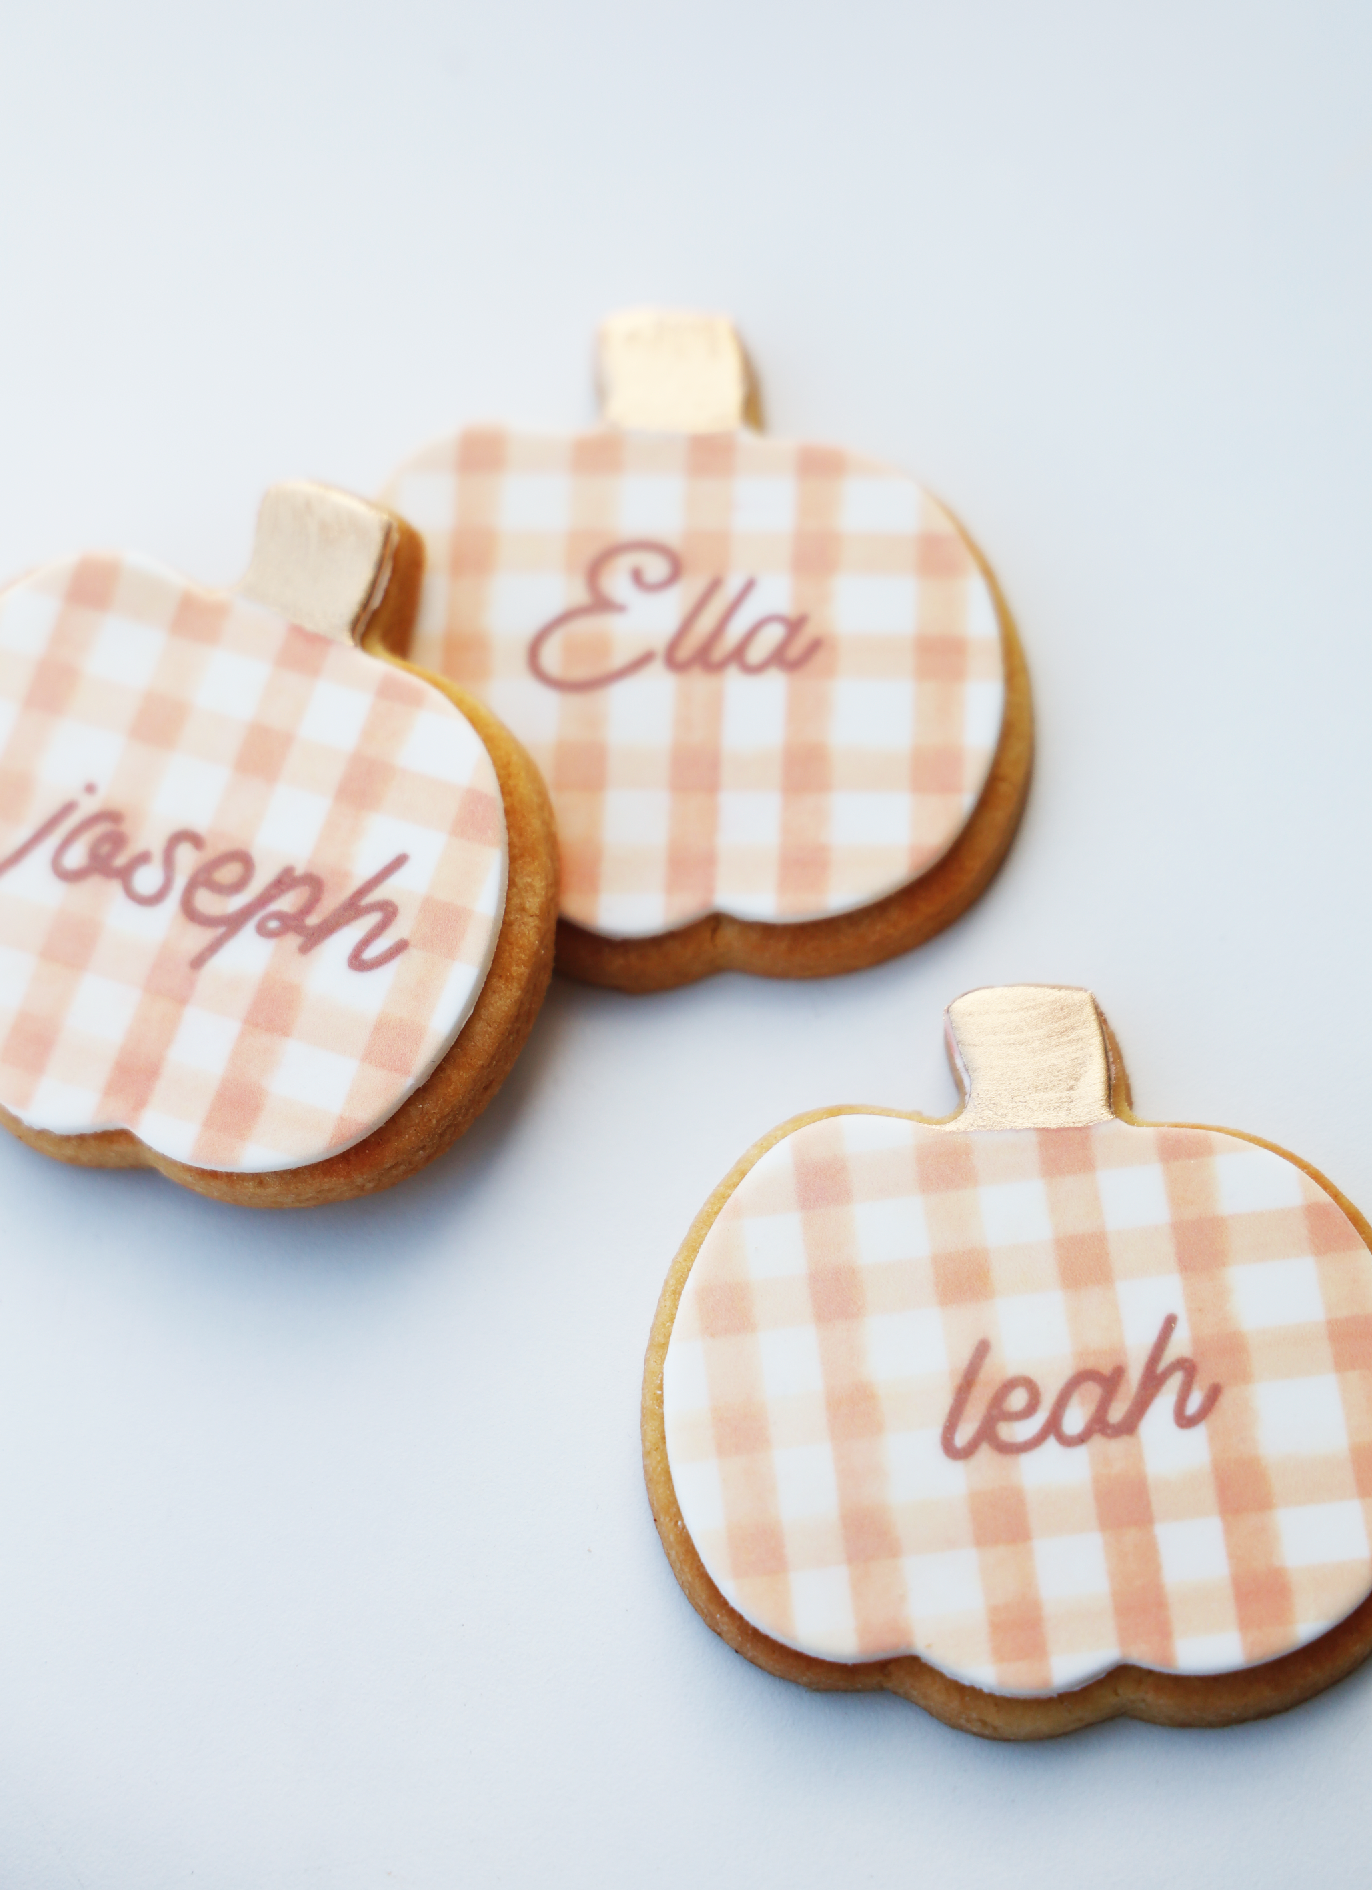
324, 1554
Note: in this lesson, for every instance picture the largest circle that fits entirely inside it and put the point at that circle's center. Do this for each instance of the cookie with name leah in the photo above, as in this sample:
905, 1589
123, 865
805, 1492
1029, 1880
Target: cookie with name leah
1036, 1416
777, 698
276, 909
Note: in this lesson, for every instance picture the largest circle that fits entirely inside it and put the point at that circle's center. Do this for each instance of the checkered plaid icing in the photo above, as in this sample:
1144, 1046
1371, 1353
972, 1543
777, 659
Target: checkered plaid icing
250, 880
830, 1442
759, 678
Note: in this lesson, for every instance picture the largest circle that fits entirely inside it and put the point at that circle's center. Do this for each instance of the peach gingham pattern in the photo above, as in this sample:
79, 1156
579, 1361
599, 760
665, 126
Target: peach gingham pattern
122, 687
832, 1310
771, 796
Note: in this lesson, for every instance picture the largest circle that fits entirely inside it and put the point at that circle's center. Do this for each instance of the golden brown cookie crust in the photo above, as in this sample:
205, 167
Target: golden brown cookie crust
1125, 1692
850, 941
470, 1073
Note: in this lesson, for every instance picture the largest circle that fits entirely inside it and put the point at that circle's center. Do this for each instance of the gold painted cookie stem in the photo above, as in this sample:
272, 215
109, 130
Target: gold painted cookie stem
322, 558
1029, 1056
669, 371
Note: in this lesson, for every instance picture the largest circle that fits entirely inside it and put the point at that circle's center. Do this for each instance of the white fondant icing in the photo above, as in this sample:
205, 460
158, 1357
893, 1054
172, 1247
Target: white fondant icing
144, 707
692, 784
812, 1381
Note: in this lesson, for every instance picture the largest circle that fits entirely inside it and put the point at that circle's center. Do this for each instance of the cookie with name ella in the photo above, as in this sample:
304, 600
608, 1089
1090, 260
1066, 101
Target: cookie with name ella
277, 909
776, 695
1038, 1415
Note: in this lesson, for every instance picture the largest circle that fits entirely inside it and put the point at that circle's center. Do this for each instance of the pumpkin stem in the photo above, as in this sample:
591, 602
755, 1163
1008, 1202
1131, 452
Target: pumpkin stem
668, 371
1029, 1056
322, 558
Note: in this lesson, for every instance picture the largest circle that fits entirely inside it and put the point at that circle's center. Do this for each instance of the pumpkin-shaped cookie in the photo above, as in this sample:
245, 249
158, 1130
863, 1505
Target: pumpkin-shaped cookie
276, 910
1036, 1415
781, 711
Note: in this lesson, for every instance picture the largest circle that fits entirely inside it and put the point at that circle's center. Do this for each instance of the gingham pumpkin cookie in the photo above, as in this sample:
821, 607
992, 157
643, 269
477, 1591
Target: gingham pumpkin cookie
276, 912
1035, 1416
781, 711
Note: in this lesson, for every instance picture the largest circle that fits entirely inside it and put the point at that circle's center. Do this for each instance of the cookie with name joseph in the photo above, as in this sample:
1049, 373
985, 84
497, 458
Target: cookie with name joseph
1038, 1415
276, 909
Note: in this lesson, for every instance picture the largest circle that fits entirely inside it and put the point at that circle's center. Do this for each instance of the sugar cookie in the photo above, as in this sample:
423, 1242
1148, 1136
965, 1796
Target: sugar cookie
276, 910
778, 700
1036, 1416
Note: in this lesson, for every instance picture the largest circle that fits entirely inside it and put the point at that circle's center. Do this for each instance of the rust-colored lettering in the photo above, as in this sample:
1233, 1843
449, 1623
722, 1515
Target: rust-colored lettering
777, 658
601, 604
239, 866
651, 566
38, 836
96, 847
280, 920
957, 1410
359, 905
105, 834
1001, 1410
1151, 1382
183, 837
676, 657
1019, 1398
1098, 1423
